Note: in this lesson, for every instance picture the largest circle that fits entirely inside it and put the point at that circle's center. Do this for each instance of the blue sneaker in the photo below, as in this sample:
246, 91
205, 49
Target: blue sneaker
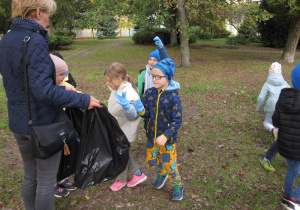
65, 184
60, 192
177, 193
160, 181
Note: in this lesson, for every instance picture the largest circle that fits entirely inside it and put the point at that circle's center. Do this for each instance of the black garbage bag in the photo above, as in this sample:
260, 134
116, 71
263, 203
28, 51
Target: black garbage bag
104, 149
67, 165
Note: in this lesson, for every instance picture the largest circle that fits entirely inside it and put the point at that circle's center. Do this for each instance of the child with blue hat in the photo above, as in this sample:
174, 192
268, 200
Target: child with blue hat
161, 109
144, 79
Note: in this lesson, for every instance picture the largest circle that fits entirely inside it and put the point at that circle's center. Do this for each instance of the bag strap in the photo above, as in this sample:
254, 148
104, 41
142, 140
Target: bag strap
25, 43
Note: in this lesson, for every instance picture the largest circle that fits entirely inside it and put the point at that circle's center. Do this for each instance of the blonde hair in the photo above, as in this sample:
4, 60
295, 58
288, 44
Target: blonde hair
26, 8
116, 70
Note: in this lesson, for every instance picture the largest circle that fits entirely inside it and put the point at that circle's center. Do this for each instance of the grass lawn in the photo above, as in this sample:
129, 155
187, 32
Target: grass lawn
220, 140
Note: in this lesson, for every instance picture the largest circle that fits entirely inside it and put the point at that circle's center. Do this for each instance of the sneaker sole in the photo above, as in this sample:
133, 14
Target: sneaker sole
179, 198
139, 182
70, 189
118, 188
162, 183
61, 196
265, 167
284, 203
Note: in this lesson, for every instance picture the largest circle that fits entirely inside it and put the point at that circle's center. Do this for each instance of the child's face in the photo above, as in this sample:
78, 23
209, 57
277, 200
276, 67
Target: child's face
161, 83
152, 61
113, 83
60, 78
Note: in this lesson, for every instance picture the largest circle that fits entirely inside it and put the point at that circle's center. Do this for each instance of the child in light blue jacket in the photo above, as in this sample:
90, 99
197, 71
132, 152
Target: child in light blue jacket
271, 90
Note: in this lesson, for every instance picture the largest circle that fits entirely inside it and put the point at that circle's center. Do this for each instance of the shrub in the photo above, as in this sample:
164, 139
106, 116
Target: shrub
66, 33
143, 37
238, 40
57, 42
194, 33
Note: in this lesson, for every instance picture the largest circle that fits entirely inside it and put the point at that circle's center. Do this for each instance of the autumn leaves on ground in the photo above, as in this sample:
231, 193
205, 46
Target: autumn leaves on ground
219, 143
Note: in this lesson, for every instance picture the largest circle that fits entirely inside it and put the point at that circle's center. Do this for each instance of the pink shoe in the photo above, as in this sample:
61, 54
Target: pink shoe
136, 180
117, 185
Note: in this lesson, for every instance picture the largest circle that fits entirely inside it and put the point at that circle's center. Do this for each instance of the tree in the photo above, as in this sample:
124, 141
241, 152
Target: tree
292, 9
108, 29
209, 14
66, 15
184, 41
97, 11
125, 23
246, 16
5, 15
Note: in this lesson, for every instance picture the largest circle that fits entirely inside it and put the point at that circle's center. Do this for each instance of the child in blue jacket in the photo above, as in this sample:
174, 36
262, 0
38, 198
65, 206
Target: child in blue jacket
270, 92
161, 108
144, 80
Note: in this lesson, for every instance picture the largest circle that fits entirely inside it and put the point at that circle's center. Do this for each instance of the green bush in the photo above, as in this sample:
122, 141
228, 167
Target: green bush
194, 33
202, 34
238, 40
67, 33
143, 37
57, 42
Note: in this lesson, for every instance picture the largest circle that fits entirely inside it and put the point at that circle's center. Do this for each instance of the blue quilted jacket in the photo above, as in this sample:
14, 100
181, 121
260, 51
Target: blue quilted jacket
46, 98
163, 113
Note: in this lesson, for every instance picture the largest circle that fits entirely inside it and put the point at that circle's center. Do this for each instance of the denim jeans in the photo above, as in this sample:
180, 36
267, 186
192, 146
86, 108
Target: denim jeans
272, 151
293, 172
39, 176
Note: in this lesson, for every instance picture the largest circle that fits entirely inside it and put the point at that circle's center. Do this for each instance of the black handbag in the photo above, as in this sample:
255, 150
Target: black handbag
50, 138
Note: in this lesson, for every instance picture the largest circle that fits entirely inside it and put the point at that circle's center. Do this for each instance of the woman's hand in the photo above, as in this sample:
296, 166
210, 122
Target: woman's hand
161, 140
94, 103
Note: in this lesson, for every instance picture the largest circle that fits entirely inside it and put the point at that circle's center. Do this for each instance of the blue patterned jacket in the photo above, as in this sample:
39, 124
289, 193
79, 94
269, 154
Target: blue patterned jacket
163, 113
46, 98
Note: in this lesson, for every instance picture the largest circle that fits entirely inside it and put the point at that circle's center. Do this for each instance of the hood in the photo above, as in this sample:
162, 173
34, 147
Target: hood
122, 87
275, 79
289, 100
173, 86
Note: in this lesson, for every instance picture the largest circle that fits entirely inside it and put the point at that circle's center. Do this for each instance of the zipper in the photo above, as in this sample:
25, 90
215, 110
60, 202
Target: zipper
155, 123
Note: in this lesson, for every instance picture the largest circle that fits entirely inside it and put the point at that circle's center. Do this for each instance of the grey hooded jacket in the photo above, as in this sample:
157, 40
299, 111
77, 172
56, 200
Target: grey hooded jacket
272, 88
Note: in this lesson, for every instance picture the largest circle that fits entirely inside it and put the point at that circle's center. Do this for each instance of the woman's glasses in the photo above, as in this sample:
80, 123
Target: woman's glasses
157, 77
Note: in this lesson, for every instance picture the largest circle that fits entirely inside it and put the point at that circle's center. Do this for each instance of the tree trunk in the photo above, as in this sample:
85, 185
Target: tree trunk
289, 51
173, 41
184, 40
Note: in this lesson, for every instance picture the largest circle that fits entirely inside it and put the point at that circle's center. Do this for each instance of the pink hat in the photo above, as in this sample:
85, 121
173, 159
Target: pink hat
275, 68
60, 65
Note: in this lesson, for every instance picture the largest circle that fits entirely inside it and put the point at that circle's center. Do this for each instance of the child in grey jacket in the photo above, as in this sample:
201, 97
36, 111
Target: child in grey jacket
271, 89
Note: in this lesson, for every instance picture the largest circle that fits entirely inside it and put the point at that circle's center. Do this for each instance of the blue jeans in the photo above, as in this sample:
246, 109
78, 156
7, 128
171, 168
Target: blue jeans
39, 176
272, 151
293, 172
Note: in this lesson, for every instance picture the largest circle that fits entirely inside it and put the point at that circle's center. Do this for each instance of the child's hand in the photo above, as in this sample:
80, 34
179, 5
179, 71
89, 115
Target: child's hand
138, 105
161, 140
158, 42
122, 100
70, 89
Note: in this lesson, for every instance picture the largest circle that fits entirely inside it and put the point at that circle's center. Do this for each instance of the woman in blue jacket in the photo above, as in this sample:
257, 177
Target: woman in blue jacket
46, 98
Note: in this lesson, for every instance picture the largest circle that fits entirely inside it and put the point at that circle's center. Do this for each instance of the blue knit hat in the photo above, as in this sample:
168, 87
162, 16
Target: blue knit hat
155, 54
167, 66
296, 76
